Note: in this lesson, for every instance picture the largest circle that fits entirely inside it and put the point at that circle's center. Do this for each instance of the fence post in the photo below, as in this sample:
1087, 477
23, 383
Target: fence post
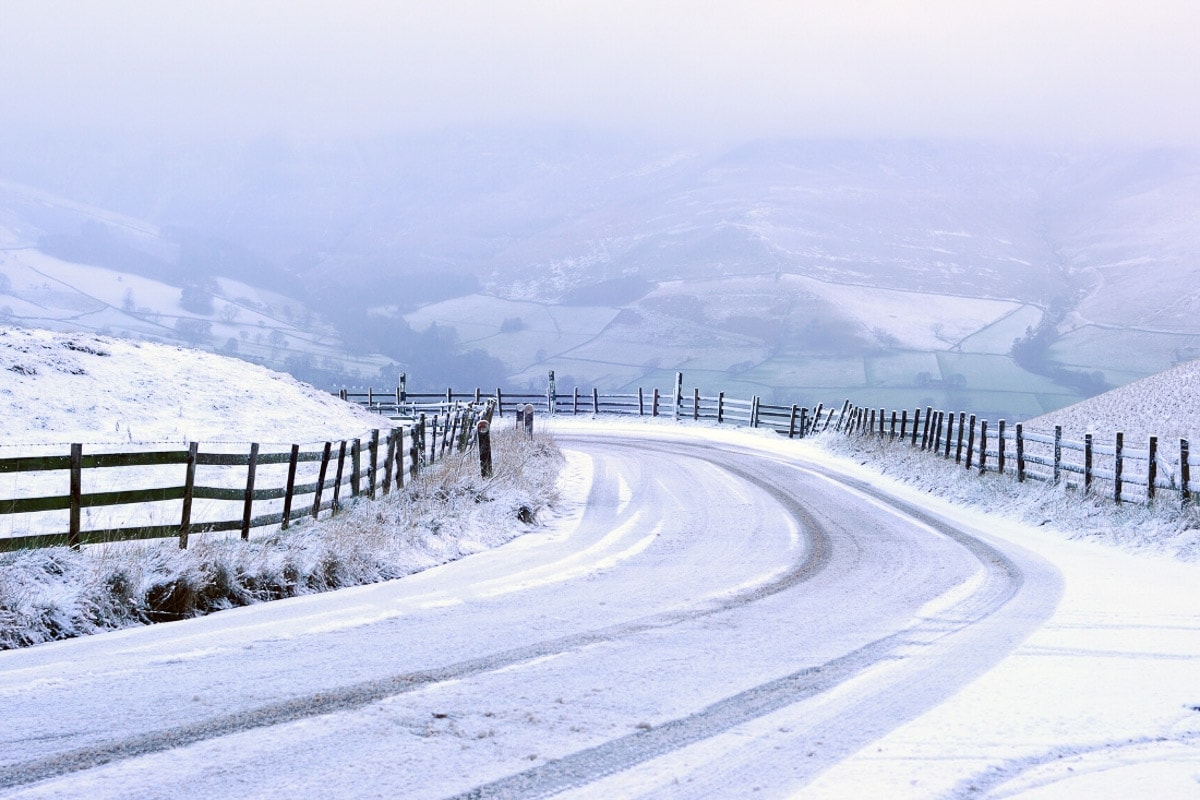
291, 488
419, 439
342, 393
754, 411
641, 402
595, 401
433, 431
464, 426
485, 448
841, 416
982, 446
336, 505
916, 426
654, 404
696, 403
316, 509
387, 462
249, 503
678, 392
373, 472
355, 466
962, 424
949, 434
1118, 466
552, 395
1020, 454
402, 387
575, 406
1088, 442
720, 407
450, 430
1185, 473
414, 452
792, 422
1000, 448
971, 441
1057, 454
1152, 468
189, 488
399, 458
499, 403
76, 492
903, 424
529, 420
925, 430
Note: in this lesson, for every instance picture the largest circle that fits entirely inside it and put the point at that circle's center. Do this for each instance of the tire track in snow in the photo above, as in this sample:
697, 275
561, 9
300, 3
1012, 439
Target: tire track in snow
1003, 581
814, 558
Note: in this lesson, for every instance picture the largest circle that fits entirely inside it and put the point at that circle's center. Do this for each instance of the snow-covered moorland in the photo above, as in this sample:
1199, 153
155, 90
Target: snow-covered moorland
72, 387
57, 388
1166, 405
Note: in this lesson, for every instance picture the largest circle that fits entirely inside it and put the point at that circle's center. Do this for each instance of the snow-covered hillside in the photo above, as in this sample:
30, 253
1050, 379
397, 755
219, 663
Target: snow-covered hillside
1166, 405
114, 394
70, 387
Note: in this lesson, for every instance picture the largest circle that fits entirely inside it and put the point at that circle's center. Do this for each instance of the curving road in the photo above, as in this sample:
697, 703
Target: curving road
715, 621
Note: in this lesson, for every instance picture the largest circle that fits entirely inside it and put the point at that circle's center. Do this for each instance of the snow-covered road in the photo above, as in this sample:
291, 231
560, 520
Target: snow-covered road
720, 618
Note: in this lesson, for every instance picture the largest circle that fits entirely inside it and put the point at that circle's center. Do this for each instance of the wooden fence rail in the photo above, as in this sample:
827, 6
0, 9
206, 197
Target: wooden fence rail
360, 467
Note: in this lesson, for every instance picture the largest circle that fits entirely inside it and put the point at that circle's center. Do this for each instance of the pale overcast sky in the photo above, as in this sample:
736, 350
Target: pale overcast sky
1057, 69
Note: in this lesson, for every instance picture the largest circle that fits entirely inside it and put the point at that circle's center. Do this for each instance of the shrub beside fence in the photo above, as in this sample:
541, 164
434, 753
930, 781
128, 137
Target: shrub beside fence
350, 469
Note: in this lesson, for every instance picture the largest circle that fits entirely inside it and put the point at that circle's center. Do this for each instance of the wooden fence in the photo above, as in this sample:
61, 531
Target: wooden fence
1123, 472
424, 426
355, 467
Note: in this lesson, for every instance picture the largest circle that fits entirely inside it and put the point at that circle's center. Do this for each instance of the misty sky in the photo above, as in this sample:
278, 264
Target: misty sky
1026, 69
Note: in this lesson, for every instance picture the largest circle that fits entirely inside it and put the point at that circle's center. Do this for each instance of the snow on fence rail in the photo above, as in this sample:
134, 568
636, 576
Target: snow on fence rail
1127, 474
287, 485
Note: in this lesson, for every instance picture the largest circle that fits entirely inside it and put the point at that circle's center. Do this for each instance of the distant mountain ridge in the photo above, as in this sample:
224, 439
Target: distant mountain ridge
1100, 249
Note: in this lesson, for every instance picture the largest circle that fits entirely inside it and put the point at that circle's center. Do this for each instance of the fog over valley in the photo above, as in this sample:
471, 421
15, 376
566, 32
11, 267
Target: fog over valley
1012, 280
993, 211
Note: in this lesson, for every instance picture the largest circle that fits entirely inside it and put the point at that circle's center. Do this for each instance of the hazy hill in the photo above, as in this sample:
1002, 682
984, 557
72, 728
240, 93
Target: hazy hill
897, 273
